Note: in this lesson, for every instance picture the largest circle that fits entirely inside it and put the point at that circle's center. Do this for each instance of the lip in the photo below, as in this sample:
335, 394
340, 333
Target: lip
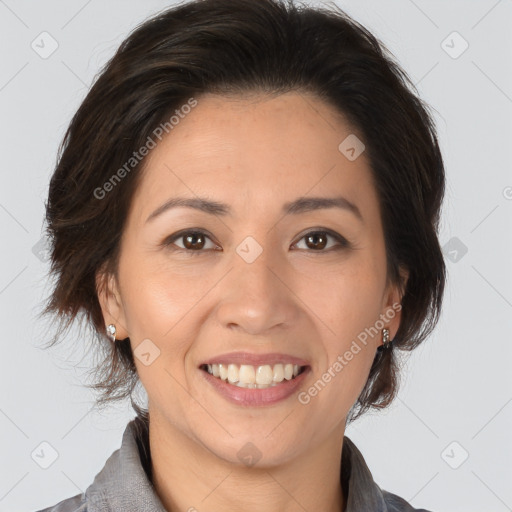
256, 397
255, 359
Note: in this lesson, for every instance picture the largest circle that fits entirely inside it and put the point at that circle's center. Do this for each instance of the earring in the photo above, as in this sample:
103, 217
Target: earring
111, 331
385, 338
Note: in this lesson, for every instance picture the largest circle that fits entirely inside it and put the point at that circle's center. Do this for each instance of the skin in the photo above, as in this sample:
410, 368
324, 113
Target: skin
254, 153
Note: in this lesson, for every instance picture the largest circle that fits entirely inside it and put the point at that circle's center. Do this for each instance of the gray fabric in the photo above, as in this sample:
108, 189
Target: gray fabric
124, 483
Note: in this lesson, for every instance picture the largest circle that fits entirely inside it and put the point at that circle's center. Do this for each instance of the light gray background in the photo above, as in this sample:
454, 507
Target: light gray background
458, 385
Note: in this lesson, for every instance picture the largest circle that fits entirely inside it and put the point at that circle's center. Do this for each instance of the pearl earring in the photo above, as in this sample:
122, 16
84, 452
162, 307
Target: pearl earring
111, 331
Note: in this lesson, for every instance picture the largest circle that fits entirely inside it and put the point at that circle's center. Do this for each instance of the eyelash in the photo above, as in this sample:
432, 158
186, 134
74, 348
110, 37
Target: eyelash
343, 243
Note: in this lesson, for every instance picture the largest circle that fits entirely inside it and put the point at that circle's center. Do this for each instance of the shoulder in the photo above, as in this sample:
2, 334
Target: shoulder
363, 491
74, 504
395, 503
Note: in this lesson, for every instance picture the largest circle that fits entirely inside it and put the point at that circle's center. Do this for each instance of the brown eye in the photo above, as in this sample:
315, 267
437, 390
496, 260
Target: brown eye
195, 242
318, 240
192, 241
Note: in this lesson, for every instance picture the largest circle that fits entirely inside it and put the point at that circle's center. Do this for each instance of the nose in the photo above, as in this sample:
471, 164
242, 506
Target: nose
258, 297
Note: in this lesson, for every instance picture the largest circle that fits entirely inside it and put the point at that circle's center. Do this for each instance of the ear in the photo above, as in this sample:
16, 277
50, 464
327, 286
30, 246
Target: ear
392, 304
111, 303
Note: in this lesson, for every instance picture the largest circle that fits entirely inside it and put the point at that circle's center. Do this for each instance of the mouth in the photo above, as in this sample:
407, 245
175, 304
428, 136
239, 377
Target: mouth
252, 376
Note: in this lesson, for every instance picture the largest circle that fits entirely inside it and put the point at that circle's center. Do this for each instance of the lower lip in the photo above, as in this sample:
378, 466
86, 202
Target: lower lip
254, 396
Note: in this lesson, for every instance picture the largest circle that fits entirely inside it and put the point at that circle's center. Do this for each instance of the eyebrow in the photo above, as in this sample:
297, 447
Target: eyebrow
296, 207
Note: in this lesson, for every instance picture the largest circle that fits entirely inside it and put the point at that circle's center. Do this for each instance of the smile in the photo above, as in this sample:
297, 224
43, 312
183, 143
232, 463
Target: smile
254, 377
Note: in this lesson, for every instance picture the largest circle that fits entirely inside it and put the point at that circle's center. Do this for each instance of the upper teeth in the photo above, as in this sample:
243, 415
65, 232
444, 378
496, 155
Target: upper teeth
249, 376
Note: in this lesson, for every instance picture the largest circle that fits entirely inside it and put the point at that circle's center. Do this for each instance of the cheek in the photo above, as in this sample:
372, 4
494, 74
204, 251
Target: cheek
348, 367
350, 299
156, 303
156, 307
353, 310
156, 297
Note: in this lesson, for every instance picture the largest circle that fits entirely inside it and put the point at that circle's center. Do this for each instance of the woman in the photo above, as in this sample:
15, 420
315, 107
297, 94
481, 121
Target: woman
245, 208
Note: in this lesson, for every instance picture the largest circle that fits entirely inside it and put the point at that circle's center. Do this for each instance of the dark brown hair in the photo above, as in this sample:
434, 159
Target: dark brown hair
242, 47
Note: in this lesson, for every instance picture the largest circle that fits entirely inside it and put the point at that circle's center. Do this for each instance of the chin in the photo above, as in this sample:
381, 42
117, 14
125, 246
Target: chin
255, 452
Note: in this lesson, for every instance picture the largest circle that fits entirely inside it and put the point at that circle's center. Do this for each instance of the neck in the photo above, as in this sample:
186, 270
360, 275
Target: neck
189, 477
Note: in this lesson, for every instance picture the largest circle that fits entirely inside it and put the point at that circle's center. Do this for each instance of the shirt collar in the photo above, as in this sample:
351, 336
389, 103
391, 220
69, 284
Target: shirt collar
124, 483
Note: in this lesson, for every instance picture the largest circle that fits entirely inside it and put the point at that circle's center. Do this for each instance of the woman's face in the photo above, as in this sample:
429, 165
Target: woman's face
259, 280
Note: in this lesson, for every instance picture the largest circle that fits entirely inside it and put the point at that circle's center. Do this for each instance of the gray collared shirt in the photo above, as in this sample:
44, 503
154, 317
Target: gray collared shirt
124, 483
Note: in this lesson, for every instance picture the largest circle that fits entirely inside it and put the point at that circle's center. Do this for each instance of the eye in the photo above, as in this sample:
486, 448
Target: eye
317, 240
193, 241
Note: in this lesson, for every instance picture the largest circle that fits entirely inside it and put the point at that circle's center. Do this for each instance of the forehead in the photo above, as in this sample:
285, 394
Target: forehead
253, 153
